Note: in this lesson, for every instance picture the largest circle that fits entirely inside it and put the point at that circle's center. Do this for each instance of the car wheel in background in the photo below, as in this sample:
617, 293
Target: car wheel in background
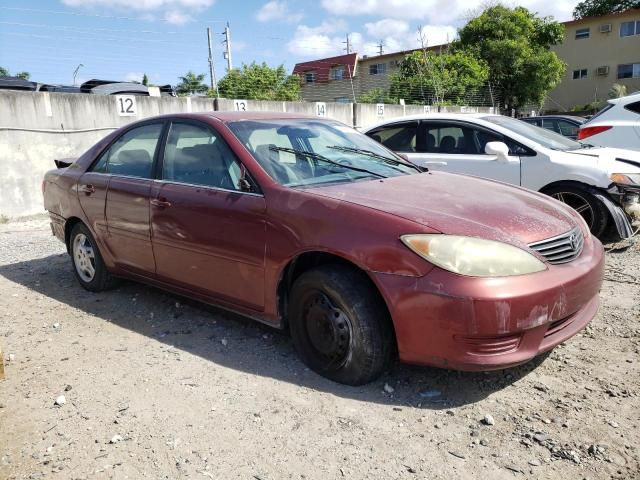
583, 202
88, 265
340, 325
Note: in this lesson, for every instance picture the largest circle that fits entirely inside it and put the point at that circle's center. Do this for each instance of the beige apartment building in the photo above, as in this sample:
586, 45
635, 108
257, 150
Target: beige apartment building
598, 51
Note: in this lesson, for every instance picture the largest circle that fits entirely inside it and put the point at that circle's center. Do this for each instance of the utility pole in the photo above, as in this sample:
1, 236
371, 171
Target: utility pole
380, 45
348, 42
212, 68
227, 42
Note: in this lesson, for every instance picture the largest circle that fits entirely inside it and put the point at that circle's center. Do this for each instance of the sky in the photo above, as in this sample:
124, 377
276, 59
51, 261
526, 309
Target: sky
122, 39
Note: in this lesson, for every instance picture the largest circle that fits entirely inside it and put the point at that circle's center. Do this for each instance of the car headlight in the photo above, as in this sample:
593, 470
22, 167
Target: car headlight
473, 257
625, 178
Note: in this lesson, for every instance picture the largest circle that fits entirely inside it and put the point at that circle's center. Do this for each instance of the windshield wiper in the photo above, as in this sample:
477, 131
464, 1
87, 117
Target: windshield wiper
369, 153
317, 156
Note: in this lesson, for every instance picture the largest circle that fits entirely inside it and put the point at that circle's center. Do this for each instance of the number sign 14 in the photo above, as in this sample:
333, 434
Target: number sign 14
126, 105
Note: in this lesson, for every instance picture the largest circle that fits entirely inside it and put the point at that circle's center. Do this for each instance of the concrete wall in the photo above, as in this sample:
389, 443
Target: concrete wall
36, 128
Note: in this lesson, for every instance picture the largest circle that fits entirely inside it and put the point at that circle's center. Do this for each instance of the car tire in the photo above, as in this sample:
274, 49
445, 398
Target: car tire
587, 205
340, 325
88, 266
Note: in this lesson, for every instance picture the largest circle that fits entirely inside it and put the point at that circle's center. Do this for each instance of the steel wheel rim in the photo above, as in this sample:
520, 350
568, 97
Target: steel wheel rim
84, 257
579, 204
328, 330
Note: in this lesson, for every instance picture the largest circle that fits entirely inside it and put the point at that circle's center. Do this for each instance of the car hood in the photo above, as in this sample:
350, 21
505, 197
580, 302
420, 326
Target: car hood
461, 205
612, 160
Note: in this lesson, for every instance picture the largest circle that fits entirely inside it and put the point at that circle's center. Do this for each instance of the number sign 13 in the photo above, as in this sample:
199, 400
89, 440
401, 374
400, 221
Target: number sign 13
126, 105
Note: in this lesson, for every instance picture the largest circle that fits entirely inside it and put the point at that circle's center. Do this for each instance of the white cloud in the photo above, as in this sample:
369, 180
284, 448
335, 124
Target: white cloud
320, 41
176, 17
437, 11
134, 77
277, 10
176, 12
386, 26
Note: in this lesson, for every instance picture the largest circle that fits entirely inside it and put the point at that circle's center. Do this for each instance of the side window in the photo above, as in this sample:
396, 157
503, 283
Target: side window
132, 154
451, 139
633, 107
398, 137
550, 124
195, 154
567, 129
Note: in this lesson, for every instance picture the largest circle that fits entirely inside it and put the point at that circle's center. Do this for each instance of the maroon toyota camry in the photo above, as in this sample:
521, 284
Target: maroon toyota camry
306, 224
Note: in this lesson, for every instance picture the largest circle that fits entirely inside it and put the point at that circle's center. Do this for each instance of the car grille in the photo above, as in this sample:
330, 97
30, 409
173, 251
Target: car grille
560, 249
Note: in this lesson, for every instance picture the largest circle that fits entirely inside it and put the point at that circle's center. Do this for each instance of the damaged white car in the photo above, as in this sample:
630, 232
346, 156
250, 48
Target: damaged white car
602, 184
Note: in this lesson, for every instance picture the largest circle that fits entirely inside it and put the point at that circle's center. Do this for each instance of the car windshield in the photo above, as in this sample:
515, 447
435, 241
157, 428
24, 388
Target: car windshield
307, 152
542, 136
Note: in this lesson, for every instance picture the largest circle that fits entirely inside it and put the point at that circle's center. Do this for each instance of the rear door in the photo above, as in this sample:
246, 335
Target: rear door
208, 235
129, 163
458, 147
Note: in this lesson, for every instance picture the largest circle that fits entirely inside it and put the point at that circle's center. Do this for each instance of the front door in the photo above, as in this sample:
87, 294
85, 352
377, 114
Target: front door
208, 235
129, 162
459, 148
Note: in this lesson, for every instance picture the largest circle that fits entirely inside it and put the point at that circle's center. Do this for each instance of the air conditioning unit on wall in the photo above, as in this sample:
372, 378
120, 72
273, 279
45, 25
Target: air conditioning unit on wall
602, 71
605, 28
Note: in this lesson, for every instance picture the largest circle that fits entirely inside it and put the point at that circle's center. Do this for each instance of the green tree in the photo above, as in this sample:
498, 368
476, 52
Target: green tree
191, 83
376, 95
145, 80
435, 78
23, 75
260, 82
516, 44
597, 8
4, 72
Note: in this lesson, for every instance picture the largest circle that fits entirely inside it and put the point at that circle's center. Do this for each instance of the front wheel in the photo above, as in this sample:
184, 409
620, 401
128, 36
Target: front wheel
589, 207
88, 265
340, 325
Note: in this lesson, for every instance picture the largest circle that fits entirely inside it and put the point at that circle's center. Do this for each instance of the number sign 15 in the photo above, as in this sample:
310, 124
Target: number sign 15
126, 105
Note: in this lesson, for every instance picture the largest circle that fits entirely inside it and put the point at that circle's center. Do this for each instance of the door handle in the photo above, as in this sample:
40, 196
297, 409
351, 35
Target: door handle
88, 189
160, 203
442, 164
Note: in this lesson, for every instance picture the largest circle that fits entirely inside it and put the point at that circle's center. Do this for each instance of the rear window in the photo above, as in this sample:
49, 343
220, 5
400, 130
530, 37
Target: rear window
607, 107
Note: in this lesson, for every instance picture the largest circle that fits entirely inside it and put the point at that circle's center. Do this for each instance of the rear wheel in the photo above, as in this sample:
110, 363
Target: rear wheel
339, 324
88, 265
589, 207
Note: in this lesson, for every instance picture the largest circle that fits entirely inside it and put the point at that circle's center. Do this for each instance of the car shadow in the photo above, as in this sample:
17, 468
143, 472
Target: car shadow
236, 342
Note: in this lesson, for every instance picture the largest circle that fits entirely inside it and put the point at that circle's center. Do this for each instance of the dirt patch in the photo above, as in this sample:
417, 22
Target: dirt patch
155, 386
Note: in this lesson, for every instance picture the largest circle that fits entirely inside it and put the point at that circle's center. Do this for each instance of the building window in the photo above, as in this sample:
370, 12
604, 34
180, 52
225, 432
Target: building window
582, 33
310, 77
337, 73
629, 70
378, 69
580, 74
629, 29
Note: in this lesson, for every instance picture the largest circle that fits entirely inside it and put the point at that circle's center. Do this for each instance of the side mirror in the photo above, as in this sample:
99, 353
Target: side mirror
499, 149
245, 185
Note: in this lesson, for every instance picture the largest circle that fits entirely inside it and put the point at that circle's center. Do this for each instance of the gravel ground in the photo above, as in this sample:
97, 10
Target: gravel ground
157, 387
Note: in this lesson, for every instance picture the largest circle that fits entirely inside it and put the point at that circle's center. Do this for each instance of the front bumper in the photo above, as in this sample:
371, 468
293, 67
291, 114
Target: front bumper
466, 323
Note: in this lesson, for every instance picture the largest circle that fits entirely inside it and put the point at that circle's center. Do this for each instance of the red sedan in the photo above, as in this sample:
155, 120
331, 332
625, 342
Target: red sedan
307, 224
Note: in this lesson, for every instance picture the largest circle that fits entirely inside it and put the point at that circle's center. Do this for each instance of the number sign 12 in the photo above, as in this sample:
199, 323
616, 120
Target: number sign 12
126, 105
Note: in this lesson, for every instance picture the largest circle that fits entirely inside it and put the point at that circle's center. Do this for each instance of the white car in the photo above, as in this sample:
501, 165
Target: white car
616, 125
602, 184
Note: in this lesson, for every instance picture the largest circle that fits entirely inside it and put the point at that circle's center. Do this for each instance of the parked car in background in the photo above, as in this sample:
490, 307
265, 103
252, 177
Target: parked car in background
306, 223
565, 125
616, 125
602, 184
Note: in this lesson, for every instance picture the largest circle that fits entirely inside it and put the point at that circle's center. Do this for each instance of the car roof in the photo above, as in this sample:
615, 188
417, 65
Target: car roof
568, 117
434, 116
634, 97
239, 116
